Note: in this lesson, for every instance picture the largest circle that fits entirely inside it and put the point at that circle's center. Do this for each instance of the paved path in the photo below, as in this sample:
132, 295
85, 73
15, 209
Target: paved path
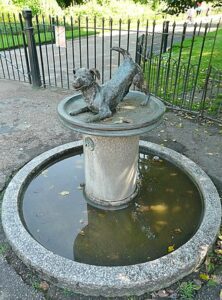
29, 126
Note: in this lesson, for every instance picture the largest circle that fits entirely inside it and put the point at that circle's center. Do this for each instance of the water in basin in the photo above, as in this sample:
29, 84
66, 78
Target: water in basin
165, 214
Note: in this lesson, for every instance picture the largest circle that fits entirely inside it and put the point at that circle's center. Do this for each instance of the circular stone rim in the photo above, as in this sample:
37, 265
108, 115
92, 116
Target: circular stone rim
122, 280
101, 129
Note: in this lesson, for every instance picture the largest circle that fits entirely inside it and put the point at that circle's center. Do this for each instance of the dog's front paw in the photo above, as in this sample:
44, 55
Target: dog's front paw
73, 113
92, 119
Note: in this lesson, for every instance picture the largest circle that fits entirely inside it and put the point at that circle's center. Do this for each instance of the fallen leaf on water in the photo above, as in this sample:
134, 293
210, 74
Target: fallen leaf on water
189, 192
170, 248
173, 174
101, 215
45, 173
204, 276
64, 193
113, 256
177, 230
143, 208
210, 153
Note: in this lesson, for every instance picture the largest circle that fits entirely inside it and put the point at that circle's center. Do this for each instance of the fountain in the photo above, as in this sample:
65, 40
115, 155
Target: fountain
111, 215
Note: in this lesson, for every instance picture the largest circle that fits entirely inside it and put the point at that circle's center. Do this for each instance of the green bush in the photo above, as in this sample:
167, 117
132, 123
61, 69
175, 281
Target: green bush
49, 7
7, 7
117, 9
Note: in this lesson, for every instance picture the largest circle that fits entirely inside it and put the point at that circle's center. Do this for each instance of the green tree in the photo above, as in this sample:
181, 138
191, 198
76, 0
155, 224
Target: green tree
178, 6
39, 6
66, 3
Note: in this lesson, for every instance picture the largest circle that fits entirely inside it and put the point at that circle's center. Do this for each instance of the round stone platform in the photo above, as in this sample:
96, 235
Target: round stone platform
131, 118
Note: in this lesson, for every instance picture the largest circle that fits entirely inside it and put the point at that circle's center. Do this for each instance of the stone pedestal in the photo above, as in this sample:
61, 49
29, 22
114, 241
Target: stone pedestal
111, 146
110, 169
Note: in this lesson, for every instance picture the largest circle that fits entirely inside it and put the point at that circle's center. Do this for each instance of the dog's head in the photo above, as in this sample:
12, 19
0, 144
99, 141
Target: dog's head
83, 78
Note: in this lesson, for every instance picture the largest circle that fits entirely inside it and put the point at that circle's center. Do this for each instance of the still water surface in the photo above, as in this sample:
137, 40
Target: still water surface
165, 214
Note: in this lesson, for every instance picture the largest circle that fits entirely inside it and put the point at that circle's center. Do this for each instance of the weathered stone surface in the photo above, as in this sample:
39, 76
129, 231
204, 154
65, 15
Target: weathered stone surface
111, 169
114, 281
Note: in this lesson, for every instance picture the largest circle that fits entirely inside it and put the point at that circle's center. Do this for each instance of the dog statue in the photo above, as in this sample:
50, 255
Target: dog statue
103, 100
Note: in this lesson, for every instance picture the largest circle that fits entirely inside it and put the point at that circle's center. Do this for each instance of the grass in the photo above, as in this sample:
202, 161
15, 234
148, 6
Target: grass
9, 41
216, 58
181, 82
187, 290
3, 248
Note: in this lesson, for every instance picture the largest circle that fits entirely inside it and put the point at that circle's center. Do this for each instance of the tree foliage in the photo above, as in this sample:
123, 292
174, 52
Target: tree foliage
66, 3
178, 6
39, 6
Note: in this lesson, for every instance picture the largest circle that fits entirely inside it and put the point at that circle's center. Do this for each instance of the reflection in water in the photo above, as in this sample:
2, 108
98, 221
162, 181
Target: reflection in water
165, 214
112, 237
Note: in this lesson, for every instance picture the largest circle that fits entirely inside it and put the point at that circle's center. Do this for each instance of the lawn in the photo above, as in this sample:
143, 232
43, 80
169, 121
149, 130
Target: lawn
208, 46
9, 41
181, 82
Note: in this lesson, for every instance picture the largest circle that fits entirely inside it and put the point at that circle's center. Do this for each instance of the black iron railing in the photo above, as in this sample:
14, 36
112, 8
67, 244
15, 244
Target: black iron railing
175, 69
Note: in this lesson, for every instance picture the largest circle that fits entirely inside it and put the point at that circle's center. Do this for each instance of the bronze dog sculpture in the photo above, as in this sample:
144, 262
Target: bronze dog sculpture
103, 100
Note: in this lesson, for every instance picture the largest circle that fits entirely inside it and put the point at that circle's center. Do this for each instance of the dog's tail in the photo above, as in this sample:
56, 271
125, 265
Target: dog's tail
124, 52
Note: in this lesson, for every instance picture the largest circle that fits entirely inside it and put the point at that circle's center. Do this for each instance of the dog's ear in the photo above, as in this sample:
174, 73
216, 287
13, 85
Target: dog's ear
74, 71
95, 72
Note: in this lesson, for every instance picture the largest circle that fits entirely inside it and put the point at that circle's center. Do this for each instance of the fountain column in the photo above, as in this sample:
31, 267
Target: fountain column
111, 169
111, 146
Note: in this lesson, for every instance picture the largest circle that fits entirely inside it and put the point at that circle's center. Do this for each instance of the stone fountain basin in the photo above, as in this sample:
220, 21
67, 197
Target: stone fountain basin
112, 281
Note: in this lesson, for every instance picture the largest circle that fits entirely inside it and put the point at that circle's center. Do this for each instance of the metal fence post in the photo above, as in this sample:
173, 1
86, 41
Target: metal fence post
53, 21
165, 37
33, 57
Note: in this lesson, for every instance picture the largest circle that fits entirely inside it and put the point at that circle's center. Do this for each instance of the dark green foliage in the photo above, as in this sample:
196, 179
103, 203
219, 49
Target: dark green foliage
66, 3
178, 6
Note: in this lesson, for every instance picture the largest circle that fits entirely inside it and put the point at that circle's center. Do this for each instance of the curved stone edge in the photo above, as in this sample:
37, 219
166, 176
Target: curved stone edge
113, 281
100, 129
